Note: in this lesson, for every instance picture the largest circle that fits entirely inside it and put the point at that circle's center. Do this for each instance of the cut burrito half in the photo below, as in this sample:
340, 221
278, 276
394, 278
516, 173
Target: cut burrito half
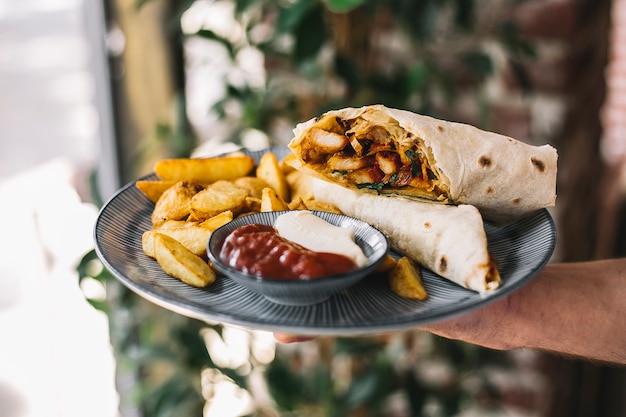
397, 152
447, 239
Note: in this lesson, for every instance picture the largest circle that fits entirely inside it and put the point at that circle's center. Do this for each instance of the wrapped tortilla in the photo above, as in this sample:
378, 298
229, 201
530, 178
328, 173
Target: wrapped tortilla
449, 240
396, 152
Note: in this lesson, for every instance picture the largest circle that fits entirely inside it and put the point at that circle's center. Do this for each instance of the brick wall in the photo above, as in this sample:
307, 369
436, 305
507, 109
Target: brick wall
614, 111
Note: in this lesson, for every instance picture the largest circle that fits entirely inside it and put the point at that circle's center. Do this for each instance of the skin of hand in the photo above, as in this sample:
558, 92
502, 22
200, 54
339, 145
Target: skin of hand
574, 309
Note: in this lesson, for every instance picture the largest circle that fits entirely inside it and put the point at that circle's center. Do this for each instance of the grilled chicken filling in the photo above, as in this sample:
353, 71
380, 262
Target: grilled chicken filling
371, 151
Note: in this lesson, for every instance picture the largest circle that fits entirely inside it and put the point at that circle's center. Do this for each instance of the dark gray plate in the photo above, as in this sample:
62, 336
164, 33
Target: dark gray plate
521, 249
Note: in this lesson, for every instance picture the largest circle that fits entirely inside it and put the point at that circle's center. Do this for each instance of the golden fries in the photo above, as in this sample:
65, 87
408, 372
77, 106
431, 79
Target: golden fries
177, 261
216, 198
194, 197
218, 220
204, 170
271, 201
321, 206
269, 170
190, 234
153, 189
253, 185
174, 202
386, 265
405, 279
301, 185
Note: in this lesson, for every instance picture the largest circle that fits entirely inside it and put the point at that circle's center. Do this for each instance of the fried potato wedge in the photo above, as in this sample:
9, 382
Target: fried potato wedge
216, 198
253, 204
174, 202
405, 279
300, 185
386, 265
217, 221
297, 204
153, 189
204, 170
191, 235
285, 164
177, 261
253, 185
147, 243
271, 201
321, 206
269, 170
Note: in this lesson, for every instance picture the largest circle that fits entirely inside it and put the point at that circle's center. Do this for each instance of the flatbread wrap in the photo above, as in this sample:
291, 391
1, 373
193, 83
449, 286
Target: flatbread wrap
447, 239
396, 152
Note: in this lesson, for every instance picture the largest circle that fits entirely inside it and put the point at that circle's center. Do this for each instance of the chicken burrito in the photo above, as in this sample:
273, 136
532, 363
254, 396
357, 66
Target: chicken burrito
447, 239
396, 152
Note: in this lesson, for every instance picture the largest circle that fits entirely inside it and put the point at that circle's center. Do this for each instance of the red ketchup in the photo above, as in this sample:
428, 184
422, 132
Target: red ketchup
259, 250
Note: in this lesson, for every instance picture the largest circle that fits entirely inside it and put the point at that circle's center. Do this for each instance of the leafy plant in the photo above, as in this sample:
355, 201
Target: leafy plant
418, 55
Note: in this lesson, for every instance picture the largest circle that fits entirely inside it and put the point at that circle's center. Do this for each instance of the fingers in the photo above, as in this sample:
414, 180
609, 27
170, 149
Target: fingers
290, 338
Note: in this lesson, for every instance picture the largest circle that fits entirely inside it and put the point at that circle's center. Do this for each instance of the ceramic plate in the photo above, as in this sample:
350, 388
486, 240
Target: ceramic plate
521, 249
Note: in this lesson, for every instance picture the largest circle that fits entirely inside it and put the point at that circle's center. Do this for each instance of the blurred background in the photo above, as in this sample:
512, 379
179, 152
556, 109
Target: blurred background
92, 92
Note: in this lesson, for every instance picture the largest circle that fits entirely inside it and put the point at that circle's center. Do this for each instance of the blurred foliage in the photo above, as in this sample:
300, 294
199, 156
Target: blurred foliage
420, 55
417, 55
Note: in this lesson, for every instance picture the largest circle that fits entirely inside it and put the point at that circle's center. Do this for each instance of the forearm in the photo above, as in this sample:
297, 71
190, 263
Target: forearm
576, 309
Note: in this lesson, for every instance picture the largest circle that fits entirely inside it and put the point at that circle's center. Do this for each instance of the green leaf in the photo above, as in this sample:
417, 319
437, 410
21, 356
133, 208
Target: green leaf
357, 346
421, 16
310, 35
210, 35
464, 14
372, 387
242, 5
343, 6
514, 42
84, 266
290, 17
284, 385
521, 75
479, 63
347, 71
417, 77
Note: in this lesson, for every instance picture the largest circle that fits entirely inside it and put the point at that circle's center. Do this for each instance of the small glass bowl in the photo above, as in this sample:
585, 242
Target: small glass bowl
301, 291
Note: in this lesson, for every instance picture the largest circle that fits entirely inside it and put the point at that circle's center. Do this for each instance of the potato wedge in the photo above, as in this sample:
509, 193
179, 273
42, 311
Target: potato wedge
270, 171
405, 279
177, 261
253, 185
285, 164
147, 243
153, 189
174, 202
204, 170
321, 206
271, 201
297, 204
253, 204
300, 185
216, 198
192, 236
213, 223
386, 265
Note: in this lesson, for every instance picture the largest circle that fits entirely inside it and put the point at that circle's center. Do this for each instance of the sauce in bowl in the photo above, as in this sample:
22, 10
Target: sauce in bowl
258, 249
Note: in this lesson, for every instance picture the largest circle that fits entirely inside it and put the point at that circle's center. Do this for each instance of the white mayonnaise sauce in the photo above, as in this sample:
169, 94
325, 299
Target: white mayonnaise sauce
316, 234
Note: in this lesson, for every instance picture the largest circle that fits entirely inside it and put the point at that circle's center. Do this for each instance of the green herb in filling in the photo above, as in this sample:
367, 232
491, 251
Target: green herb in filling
371, 186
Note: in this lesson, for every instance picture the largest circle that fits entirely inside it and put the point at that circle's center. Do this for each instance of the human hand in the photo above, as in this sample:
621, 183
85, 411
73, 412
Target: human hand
482, 327
290, 338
